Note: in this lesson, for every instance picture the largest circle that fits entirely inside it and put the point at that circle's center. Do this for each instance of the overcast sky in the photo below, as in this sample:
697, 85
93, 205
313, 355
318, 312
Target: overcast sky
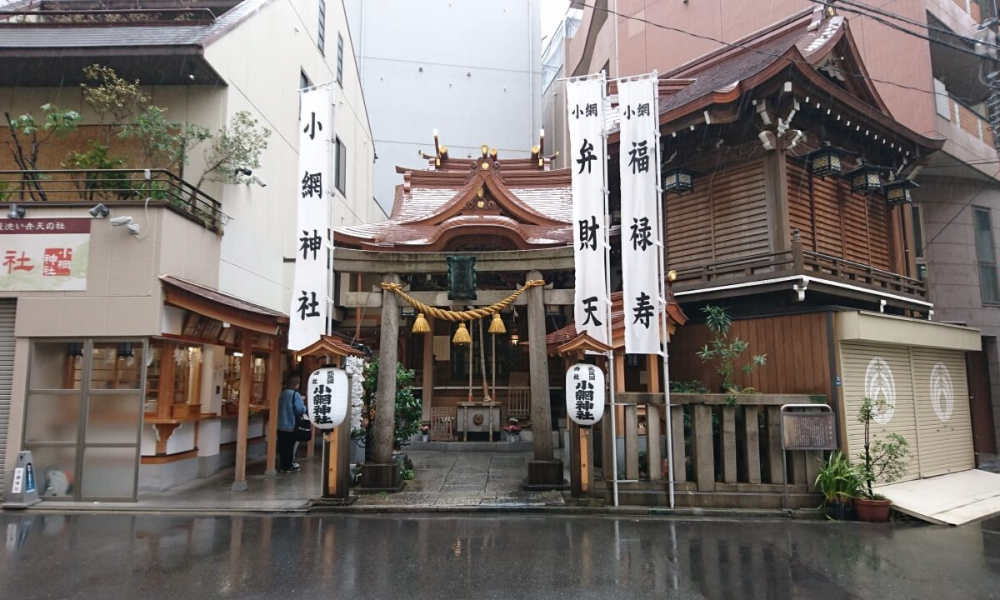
552, 12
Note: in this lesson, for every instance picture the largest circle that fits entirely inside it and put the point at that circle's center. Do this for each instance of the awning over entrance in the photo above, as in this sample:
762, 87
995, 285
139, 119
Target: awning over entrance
223, 307
953, 499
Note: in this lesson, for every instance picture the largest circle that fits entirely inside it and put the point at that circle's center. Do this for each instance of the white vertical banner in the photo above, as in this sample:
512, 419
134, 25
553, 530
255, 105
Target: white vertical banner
310, 295
642, 272
588, 160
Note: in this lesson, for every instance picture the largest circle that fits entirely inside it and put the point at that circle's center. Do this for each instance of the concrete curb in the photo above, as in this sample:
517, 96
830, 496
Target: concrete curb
319, 508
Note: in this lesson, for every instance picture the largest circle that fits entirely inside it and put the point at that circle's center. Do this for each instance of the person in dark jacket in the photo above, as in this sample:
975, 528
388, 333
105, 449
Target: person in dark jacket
290, 408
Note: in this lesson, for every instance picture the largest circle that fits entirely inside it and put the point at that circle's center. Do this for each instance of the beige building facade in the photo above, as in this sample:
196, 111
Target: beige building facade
200, 292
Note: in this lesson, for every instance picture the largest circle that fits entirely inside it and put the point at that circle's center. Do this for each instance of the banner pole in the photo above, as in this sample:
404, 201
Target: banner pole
664, 296
610, 325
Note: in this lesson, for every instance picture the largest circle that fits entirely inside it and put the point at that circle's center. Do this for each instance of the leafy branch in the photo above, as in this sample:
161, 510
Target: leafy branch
725, 352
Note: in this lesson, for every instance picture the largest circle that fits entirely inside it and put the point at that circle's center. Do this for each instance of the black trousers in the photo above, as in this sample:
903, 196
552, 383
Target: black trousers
286, 449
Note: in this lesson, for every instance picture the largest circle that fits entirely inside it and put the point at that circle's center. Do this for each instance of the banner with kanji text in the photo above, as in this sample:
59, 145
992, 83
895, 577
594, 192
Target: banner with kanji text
588, 161
641, 238
313, 260
44, 255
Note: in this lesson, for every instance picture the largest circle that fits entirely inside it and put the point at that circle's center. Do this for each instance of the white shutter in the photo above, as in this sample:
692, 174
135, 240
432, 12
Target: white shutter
8, 309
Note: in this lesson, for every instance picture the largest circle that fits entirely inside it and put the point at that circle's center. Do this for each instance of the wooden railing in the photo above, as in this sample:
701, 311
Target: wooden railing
717, 447
109, 186
797, 261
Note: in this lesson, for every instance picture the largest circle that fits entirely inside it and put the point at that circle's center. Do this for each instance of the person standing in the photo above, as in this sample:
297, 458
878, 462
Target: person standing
290, 408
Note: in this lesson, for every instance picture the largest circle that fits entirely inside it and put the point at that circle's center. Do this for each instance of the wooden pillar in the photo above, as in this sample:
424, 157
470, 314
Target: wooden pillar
385, 403
581, 440
273, 391
428, 394
776, 195
541, 412
165, 391
243, 422
653, 413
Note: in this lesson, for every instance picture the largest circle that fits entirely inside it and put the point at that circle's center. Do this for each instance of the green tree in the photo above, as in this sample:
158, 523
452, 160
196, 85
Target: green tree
725, 352
886, 460
164, 143
238, 144
114, 100
408, 407
28, 135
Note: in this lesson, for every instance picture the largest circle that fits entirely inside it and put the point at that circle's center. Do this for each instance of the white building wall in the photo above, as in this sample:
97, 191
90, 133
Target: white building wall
261, 60
472, 70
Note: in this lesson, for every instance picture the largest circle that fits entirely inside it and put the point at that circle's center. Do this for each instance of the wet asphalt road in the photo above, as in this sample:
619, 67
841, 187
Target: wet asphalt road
472, 556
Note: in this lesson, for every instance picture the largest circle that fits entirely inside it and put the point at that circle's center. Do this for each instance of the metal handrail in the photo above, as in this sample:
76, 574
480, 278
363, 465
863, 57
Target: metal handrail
110, 186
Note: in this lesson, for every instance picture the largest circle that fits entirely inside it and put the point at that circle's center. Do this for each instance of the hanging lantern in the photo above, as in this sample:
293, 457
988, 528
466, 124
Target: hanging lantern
897, 192
514, 339
677, 181
826, 162
496, 325
866, 178
552, 310
420, 325
407, 311
461, 336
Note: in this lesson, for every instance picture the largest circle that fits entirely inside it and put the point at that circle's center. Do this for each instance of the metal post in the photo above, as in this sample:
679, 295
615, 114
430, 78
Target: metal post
607, 319
664, 299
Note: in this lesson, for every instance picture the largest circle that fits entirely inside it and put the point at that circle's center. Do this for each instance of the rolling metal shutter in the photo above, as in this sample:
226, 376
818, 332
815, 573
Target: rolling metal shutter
879, 371
8, 309
944, 421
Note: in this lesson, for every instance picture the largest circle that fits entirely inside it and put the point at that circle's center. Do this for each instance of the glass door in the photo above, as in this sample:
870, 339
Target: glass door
83, 417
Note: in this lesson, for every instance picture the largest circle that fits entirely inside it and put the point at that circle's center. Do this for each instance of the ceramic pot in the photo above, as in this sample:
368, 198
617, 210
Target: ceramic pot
515, 437
872, 511
425, 438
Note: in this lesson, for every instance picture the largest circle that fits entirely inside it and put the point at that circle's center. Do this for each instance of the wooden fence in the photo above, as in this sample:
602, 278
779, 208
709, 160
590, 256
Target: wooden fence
724, 456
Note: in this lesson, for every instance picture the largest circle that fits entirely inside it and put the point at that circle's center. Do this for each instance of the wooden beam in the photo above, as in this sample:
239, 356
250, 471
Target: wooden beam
208, 309
165, 391
367, 261
243, 422
273, 391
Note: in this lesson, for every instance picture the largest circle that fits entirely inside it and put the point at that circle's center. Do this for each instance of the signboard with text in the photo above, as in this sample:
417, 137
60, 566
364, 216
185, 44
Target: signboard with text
46, 255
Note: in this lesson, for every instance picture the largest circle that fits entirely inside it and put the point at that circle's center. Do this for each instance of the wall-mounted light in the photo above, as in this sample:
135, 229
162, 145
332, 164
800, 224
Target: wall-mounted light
827, 161
866, 178
678, 181
16, 212
897, 192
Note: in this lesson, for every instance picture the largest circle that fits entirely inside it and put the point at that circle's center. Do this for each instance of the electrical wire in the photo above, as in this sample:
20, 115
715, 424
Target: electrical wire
749, 48
957, 214
901, 18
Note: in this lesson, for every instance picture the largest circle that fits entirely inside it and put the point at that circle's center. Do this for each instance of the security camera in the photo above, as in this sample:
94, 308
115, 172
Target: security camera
259, 181
243, 171
100, 211
119, 221
133, 228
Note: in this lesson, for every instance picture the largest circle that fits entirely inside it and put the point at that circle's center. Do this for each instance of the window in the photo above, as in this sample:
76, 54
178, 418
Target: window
989, 284
304, 83
340, 59
340, 171
321, 32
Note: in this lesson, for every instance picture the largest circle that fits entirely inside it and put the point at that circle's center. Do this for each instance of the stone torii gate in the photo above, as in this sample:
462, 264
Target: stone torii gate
544, 471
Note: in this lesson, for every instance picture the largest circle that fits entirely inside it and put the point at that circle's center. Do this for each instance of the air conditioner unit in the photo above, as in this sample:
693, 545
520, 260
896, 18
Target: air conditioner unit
986, 42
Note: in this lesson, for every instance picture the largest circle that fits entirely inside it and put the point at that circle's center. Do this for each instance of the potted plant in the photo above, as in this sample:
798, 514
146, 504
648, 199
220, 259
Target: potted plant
839, 481
513, 430
425, 433
883, 462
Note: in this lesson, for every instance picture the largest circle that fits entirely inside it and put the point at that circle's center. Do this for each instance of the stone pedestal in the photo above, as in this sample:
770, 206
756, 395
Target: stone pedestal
376, 477
544, 475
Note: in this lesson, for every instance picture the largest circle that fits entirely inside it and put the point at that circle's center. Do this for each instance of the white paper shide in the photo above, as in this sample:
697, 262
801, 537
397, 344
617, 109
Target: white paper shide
588, 162
641, 237
585, 394
310, 292
328, 395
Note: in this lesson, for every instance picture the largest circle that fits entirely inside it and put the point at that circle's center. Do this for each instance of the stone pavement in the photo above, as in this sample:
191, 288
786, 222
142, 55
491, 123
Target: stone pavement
465, 480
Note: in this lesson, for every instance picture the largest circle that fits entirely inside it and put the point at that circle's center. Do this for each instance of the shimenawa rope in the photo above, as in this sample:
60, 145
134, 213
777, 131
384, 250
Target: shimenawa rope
463, 315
